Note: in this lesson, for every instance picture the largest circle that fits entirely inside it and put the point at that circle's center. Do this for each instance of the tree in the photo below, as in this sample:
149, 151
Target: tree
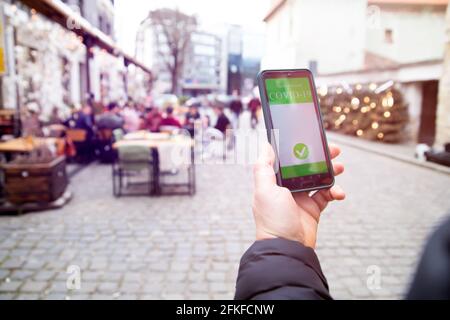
173, 30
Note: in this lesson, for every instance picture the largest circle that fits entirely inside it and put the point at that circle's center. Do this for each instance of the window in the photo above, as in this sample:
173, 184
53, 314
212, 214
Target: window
388, 36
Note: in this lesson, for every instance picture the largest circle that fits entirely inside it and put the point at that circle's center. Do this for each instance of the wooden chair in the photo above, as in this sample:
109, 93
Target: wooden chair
104, 150
79, 139
105, 134
76, 135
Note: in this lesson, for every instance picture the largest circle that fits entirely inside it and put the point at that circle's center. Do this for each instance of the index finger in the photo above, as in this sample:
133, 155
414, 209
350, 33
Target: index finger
264, 173
335, 151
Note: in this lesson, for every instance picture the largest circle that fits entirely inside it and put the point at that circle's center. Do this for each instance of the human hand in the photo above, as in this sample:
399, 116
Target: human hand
279, 213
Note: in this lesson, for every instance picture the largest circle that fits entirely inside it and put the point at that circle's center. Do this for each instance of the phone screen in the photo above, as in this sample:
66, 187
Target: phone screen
302, 154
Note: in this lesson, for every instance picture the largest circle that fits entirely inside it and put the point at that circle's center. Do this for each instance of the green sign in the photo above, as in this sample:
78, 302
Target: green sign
289, 90
304, 170
301, 151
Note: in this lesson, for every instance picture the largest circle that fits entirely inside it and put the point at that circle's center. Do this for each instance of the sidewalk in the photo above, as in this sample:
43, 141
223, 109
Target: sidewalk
400, 152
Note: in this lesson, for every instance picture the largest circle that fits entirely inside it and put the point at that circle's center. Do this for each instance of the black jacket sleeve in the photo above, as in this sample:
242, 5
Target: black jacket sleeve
432, 280
280, 269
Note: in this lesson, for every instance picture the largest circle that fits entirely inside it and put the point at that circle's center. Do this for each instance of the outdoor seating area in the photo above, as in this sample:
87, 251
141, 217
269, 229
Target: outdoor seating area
156, 157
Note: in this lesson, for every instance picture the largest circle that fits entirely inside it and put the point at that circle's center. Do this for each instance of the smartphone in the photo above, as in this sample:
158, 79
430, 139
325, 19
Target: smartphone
295, 129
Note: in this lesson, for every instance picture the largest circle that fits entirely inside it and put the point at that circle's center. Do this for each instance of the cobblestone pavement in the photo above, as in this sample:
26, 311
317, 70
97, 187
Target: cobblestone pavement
189, 248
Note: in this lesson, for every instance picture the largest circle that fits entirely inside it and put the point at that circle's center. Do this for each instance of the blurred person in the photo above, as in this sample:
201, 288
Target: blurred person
282, 263
153, 120
132, 120
111, 118
169, 120
254, 106
432, 278
236, 108
206, 122
85, 120
223, 123
192, 116
31, 124
55, 117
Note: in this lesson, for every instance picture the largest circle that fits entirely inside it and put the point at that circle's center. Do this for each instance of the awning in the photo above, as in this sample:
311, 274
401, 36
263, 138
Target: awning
61, 13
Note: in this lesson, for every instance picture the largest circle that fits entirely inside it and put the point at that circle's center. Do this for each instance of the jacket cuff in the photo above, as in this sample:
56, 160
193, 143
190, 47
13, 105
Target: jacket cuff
285, 247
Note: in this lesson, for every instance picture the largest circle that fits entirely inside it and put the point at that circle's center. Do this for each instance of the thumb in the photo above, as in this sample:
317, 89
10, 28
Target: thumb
264, 174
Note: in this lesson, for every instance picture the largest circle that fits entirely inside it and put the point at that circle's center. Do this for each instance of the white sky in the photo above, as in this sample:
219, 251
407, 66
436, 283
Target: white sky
210, 13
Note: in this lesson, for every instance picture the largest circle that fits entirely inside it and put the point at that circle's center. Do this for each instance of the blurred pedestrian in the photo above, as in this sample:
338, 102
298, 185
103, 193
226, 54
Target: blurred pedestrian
236, 108
31, 124
111, 118
132, 120
169, 120
223, 123
85, 121
254, 106
55, 118
192, 116
153, 120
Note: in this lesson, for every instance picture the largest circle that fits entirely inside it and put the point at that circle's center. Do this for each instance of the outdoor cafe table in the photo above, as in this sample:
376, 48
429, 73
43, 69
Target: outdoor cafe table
155, 141
24, 145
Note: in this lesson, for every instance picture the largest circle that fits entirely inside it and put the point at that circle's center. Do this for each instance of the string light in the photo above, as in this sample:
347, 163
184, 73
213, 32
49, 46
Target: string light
323, 91
378, 104
388, 101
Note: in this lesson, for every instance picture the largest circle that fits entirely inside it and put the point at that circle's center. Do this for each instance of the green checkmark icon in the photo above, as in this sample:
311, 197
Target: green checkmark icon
301, 151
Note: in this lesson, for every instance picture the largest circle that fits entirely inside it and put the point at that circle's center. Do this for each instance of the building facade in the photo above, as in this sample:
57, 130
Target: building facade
99, 13
55, 58
364, 41
202, 68
201, 72
443, 112
326, 35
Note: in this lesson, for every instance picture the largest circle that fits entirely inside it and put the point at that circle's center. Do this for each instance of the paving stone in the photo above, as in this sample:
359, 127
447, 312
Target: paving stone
10, 286
108, 287
190, 247
34, 286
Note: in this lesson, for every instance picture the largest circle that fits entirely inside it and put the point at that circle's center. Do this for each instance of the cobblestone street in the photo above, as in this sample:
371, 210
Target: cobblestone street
189, 248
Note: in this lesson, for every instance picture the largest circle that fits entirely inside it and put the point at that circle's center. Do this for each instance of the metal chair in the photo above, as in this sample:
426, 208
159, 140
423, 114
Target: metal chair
132, 162
118, 135
173, 161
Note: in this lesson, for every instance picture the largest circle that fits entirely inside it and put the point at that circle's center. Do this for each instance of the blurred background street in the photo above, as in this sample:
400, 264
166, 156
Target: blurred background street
101, 99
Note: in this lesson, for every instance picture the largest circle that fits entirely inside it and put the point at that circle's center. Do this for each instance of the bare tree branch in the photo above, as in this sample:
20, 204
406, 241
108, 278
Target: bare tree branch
176, 28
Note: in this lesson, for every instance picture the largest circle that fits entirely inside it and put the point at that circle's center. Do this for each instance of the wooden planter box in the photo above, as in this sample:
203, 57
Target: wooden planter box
37, 183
